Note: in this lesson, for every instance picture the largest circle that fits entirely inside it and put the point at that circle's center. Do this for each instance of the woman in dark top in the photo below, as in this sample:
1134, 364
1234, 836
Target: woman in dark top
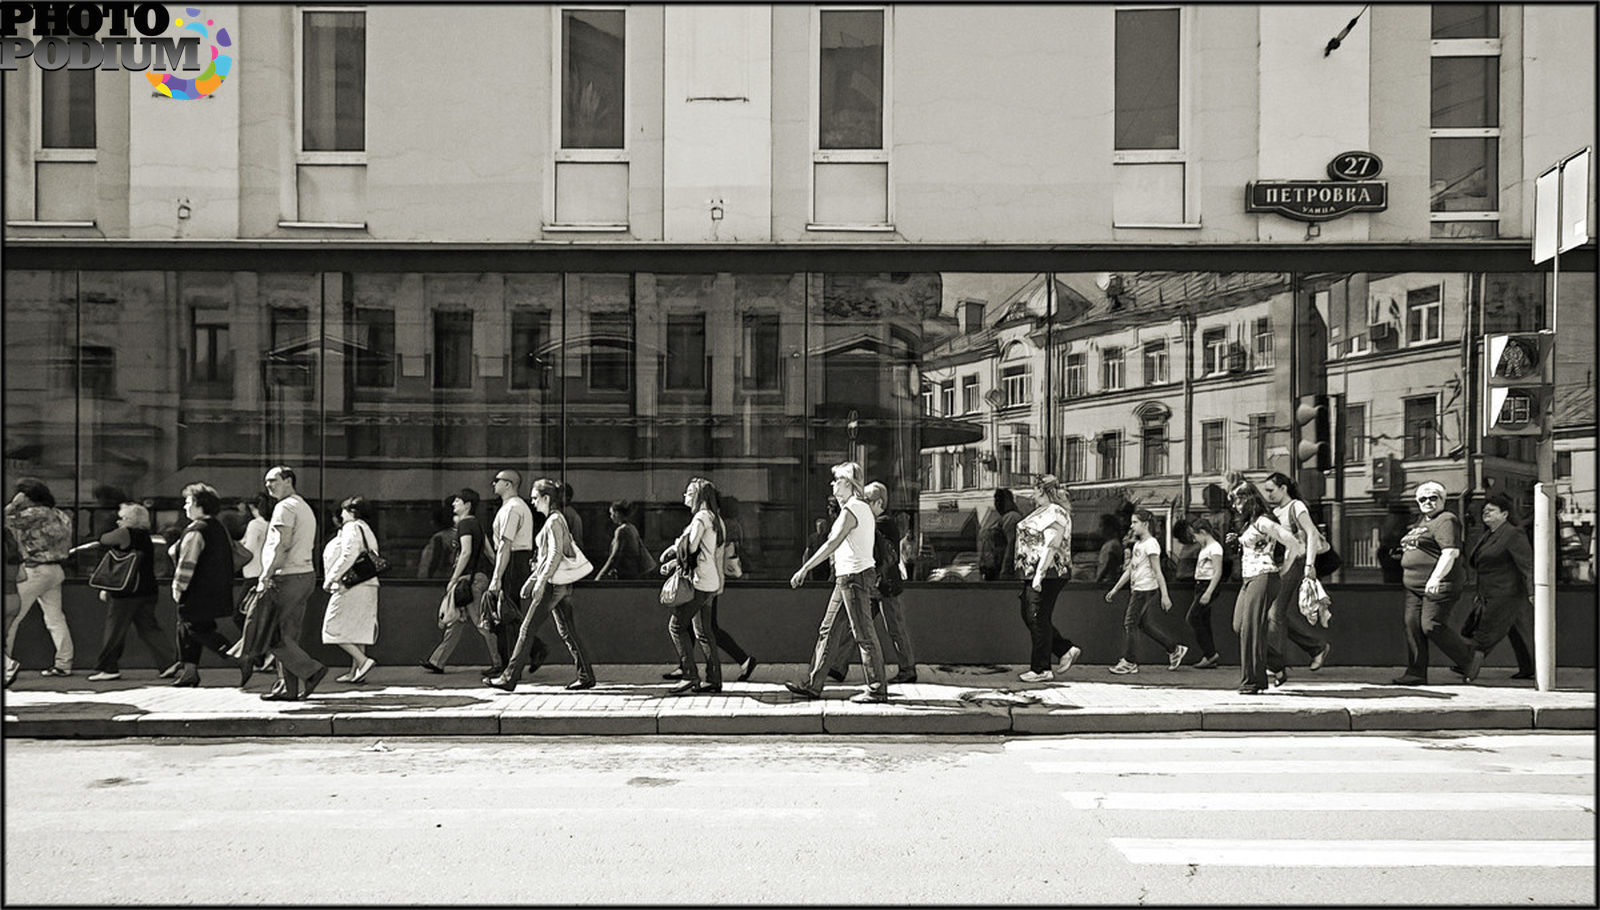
1503, 560
202, 585
627, 559
1430, 561
135, 607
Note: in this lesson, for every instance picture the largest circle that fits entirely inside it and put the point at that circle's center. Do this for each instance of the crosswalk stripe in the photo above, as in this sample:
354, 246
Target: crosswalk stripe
1337, 801
1311, 767
1389, 853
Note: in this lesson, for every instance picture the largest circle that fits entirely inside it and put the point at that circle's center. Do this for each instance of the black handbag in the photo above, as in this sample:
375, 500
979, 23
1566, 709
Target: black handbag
1327, 563
116, 571
368, 565
463, 593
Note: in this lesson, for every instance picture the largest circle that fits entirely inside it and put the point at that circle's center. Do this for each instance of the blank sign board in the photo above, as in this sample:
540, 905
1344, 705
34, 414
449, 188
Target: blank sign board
1561, 207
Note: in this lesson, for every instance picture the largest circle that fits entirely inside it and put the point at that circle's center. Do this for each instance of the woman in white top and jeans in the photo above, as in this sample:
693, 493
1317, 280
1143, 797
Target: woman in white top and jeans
552, 542
1258, 529
855, 576
1147, 585
1285, 623
700, 544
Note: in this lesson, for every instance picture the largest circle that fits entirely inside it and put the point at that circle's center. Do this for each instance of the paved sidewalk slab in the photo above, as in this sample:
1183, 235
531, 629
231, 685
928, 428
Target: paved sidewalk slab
1274, 717
1432, 717
1058, 719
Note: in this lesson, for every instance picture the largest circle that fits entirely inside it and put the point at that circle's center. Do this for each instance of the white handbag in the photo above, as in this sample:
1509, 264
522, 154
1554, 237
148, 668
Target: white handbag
573, 567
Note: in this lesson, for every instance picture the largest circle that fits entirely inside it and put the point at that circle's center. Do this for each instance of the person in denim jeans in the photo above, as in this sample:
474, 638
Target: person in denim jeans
849, 545
547, 598
43, 534
1147, 586
886, 600
699, 546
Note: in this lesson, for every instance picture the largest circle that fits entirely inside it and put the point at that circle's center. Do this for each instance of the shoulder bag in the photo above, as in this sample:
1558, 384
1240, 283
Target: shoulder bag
241, 555
116, 571
574, 566
678, 590
368, 565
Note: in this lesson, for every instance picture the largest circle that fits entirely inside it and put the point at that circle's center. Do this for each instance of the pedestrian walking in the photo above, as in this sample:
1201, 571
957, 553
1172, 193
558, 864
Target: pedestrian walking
135, 607
351, 620
699, 547
254, 540
1044, 564
1433, 576
43, 535
548, 592
1258, 529
1503, 561
1207, 578
1285, 622
998, 536
287, 572
849, 546
726, 643
511, 537
202, 584
1108, 560
886, 600
1147, 586
13, 605
628, 558
469, 578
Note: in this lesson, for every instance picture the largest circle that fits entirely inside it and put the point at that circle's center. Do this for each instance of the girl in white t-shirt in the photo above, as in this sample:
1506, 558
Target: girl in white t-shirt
1207, 576
1258, 528
1148, 585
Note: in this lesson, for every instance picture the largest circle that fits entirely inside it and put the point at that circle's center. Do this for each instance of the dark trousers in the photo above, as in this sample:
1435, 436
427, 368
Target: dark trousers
691, 622
293, 593
518, 567
1137, 619
852, 596
140, 613
1250, 624
556, 602
1427, 620
1285, 622
197, 632
1497, 618
1199, 617
725, 641
891, 609
1038, 613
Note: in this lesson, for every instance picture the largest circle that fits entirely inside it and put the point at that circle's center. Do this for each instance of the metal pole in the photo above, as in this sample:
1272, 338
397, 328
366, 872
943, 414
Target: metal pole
1544, 589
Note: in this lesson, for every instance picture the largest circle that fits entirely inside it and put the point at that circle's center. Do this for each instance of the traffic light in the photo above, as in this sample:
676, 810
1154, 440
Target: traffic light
1518, 392
1315, 450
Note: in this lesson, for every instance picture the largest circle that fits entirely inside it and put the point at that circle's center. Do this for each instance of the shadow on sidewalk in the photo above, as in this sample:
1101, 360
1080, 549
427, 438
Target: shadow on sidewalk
379, 702
1370, 692
100, 710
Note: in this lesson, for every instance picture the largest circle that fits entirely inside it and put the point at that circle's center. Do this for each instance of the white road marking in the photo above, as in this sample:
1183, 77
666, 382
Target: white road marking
1313, 767
1377, 853
1335, 801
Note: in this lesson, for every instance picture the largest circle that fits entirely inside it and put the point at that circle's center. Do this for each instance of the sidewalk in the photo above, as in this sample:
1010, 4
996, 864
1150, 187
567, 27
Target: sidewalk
407, 701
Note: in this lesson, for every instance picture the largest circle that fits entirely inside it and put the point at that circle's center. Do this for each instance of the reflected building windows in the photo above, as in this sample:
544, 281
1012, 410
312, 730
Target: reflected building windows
1072, 460
372, 347
761, 363
532, 349
1214, 352
210, 353
1353, 424
1110, 447
1260, 439
1214, 446
1262, 354
1110, 369
1422, 426
1423, 315
452, 350
1076, 376
1155, 363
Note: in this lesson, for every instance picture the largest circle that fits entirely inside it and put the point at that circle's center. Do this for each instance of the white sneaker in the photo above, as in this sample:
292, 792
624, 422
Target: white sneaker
1122, 667
1069, 658
104, 676
1041, 676
1175, 659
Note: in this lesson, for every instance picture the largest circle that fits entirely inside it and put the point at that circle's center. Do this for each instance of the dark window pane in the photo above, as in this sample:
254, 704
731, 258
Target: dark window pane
610, 351
452, 350
1147, 79
1354, 427
210, 352
532, 355
373, 342
686, 353
1466, 175
762, 367
97, 371
592, 64
1421, 427
1466, 92
334, 83
1466, 20
850, 106
66, 100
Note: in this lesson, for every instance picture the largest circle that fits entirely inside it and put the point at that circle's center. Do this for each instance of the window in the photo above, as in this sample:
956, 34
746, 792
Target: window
1464, 123
1353, 424
1564, 465
333, 99
452, 350
850, 176
373, 338
97, 371
762, 365
947, 398
1214, 348
1072, 459
1015, 462
1153, 449
210, 353
1421, 427
948, 468
1422, 315
1110, 369
1014, 382
66, 108
685, 357
1155, 363
1110, 446
927, 399
593, 70
1077, 376
1260, 437
925, 471
1148, 130
532, 353
610, 355
1262, 343
969, 469
969, 394
1214, 446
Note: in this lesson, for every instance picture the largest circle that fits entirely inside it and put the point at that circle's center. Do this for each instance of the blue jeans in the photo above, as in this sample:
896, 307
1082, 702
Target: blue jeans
699, 613
557, 602
853, 595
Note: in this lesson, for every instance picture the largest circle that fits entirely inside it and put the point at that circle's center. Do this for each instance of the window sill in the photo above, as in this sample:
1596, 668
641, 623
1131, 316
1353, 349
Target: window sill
50, 224
66, 155
613, 227
325, 225
854, 228
1185, 226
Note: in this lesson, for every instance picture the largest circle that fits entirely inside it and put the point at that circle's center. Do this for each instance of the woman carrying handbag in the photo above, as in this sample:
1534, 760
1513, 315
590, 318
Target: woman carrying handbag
558, 564
699, 546
351, 621
135, 604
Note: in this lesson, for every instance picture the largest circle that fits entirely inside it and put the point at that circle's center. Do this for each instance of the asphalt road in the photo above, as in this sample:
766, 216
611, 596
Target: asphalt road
1189, 819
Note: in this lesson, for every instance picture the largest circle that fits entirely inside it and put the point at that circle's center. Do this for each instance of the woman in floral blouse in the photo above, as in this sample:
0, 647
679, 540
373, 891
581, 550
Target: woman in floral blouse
1043, 563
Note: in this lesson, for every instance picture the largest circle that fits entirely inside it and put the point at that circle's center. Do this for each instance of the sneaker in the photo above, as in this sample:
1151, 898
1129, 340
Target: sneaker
1037, 676
800, 690
1207, 662
1123, 667
908, 675
54, 671
12, 666
104, 676
1175, 659
870, 697
1069, 658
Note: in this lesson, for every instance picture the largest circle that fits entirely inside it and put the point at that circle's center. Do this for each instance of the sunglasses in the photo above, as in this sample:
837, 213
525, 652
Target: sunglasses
501, 480
1427, 499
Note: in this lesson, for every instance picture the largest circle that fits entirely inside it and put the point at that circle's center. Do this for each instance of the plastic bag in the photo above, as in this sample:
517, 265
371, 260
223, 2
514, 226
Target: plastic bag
1315, 603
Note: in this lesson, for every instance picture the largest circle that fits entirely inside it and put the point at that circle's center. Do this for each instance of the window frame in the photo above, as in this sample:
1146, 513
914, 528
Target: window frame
819, 155
560, 155
1468, 47
1260, 360
1405, 427
301, 155
1110, 452
88, 154
1163, 360
1260, 432
1121, 361
1073, 449
1221, 425
1075, 375
973, 403
947, 398
1437, 306
1181, 155
1354, 444
1220, 366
